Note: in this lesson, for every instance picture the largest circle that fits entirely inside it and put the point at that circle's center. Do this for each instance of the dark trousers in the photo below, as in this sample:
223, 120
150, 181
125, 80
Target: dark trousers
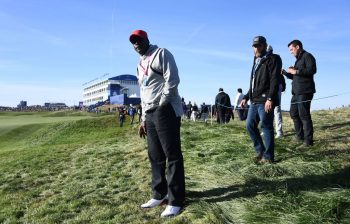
229, 114
300, 114
163, 138
222, 115
121, 121
132, 119
140, 116
240, 113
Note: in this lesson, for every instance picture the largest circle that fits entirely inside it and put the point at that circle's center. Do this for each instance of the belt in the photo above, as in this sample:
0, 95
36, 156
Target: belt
151, 110
255, 103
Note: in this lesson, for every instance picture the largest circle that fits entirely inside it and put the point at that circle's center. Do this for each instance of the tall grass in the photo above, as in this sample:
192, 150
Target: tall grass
89, 170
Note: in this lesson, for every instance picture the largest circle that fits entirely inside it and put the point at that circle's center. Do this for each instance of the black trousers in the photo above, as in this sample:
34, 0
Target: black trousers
222, 115
132, 119
163, 138
300, 114
240, 114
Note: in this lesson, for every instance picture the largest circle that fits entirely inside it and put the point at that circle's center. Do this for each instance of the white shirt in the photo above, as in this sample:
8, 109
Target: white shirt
238, 99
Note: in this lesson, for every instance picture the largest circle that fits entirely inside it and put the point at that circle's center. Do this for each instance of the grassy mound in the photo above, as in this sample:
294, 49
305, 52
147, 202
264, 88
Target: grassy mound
82, 169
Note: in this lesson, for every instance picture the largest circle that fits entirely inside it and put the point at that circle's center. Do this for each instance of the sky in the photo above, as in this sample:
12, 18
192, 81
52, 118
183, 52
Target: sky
50, 48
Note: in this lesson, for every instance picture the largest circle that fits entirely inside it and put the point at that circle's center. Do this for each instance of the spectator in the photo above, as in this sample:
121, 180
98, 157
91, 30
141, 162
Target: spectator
132, 112
222, 105
121, 116
159, 79
303, 89
263, 95
238, 99
204, 112
195, 112
277, 111
189, 110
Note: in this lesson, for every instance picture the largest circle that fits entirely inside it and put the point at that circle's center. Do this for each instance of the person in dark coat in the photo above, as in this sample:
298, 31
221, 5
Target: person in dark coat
263, 95
121, 116
303, 89
222, 105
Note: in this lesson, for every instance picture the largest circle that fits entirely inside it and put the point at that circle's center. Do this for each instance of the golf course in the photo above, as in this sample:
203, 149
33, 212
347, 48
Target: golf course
76, 167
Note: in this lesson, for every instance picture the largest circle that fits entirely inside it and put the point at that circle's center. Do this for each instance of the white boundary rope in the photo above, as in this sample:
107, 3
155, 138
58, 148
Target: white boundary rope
232, 107
320, 98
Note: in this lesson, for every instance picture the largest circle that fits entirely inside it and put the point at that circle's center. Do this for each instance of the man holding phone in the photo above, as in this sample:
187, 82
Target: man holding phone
303, 89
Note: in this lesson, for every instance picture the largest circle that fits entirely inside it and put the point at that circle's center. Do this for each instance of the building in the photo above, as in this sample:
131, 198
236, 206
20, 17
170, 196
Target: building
22, 104
101, 90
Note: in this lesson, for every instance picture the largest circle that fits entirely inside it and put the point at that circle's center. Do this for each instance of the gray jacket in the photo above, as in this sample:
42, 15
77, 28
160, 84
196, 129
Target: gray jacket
158, 79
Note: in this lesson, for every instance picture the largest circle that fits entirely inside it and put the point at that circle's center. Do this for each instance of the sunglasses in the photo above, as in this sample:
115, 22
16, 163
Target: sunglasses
137, 39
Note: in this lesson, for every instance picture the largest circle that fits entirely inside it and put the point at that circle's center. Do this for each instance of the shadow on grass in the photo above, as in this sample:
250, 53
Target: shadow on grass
339, 139
331, 153
289, 134
335, 126
254, 187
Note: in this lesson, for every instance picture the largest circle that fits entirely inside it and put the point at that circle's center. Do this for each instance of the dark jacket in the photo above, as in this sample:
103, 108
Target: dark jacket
266, 80
303, 82
222, 101
283, 83
204, 109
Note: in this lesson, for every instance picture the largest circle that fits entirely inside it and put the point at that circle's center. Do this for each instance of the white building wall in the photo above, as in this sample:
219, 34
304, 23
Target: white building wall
95, 93
99, 91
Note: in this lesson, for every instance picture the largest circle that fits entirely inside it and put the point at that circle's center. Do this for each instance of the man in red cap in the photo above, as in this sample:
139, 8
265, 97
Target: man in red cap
158, 79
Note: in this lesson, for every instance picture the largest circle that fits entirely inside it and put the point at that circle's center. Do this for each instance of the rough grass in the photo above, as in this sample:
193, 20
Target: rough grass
74, 168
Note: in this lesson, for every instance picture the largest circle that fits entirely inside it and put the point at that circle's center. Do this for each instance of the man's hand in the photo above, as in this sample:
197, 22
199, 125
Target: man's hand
243, 103
268, 106
143, 130
292, 70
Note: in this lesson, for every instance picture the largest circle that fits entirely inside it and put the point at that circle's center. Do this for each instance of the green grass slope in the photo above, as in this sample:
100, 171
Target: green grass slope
82, 169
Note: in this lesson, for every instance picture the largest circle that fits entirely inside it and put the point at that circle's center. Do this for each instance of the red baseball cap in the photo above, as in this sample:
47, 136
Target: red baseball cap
139, 33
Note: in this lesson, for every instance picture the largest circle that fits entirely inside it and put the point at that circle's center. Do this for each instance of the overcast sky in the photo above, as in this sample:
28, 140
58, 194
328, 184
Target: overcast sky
50, 48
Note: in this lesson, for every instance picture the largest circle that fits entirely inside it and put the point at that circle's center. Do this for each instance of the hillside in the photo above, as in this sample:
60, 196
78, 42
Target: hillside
75, 168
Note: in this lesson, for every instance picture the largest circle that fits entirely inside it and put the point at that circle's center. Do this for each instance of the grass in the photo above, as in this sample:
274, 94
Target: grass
76, 168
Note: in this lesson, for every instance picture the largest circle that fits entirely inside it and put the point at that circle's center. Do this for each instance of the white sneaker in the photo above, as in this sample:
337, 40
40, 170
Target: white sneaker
153, 203
170, 211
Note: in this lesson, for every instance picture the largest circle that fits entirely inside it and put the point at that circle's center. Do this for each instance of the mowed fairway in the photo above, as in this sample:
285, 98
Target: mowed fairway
70, 167
15, 124
12, 120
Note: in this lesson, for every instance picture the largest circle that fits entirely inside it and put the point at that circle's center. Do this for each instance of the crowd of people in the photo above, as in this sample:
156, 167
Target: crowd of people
221, 110
38, 108
164, 109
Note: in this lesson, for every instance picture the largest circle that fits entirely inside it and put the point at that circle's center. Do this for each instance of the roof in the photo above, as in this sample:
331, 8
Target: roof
124, 77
